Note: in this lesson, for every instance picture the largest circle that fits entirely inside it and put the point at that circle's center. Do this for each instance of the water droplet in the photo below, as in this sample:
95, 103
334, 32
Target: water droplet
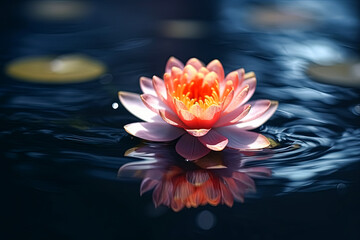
206, 220
115, 105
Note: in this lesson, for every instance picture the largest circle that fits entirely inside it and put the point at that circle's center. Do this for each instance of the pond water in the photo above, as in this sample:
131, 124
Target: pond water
70, 171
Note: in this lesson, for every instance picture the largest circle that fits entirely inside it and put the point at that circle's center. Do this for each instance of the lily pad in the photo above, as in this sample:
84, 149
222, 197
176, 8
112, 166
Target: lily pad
55, 10
72, 68
345, 74
280, 17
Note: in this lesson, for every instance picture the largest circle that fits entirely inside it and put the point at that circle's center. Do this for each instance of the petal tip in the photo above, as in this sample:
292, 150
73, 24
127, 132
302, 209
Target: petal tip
126, 127
122, 94
249, 75
216, 61
218, 147
172, 58
274, 102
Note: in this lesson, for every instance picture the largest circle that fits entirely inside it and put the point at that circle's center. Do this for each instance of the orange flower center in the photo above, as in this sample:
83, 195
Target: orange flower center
203, 92
200, 88
195, 95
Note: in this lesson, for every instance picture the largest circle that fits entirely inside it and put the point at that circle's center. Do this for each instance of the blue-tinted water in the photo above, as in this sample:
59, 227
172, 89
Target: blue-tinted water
63, 145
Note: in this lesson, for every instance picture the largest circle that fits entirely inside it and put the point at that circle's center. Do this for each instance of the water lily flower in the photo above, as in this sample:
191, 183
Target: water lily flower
217, 178
201, 106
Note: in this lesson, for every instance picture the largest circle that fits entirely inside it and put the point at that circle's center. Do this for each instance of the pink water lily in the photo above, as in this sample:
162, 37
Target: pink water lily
200, 106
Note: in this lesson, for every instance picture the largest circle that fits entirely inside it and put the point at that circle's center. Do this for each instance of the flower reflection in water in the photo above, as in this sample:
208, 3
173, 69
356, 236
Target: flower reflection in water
217, 178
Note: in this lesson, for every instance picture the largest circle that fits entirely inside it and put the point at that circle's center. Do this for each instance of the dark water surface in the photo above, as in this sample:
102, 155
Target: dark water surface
62, 145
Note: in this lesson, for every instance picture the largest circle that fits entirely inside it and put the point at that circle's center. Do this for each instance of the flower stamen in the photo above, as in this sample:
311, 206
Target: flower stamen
202, 89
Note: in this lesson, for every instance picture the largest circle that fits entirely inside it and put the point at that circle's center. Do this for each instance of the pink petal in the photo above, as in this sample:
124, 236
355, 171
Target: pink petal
228, 99
203, 70
216, 67
234, 116
214, 141
177, 205
211, 113
190, 71
158, 194
133, 103
179, 104
186, 116
195, 199
160, 88
165, 195
236, 190
195, 63
258, 172
197, 132
152, 170
258, 108
238, 99
241, 139
171, 118
147, 86
153, 103
251, 82
196, 110
241, 74
244, 178
212, 194
196, 178
226, 195
210, 78
209, 117
147, 184
260, 120
173, 62
233, 77
157, 132
190, 148
190, 120
182, 190
176, 72
144, 168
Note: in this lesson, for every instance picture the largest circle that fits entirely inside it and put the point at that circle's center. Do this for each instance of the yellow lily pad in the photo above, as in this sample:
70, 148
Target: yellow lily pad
273, 143
345, 74
56, 10
72, 68
277, 17
211, 161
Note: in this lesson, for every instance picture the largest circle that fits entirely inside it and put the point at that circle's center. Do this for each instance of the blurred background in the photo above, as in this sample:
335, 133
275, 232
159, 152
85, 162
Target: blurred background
61, 123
